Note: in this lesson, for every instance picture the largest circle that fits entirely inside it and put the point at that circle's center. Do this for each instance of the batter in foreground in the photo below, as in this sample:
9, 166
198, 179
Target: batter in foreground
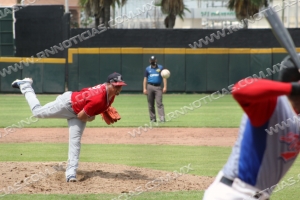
78, 108
262, 155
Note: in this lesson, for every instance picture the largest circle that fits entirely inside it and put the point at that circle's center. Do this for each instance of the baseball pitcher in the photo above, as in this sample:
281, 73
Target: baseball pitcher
260, 158
78, 108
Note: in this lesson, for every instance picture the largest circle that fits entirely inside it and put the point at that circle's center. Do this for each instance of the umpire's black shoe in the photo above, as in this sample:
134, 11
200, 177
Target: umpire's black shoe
153, 120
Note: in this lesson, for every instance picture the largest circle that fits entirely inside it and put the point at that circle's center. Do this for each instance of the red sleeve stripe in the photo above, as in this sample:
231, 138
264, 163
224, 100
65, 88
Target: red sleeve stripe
259, 98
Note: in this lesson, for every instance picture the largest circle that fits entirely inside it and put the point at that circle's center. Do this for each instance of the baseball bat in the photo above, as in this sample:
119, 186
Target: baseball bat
282, 35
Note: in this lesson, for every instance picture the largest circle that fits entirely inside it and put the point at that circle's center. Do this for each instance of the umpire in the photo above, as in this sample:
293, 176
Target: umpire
152, 88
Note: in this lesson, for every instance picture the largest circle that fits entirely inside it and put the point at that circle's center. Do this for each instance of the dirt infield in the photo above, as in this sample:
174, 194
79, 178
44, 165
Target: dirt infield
93, 178
168, 136
19, 177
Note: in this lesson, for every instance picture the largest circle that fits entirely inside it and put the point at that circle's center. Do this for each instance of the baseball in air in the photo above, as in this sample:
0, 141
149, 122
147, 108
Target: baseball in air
165, 73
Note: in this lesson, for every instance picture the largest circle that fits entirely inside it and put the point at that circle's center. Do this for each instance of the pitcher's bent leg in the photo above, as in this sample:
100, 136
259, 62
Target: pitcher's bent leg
76, 128
30, 96
60, 108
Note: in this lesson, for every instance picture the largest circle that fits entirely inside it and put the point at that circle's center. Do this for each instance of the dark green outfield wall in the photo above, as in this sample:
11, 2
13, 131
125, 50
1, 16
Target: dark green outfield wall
192, 70
195, 70
48, 74
6, 32
277, 56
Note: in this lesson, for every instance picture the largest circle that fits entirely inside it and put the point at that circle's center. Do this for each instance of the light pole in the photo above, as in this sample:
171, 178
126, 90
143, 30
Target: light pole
296, 17
66, 6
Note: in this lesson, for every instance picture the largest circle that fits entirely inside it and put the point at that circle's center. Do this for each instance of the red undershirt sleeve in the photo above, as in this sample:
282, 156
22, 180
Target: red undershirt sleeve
259, 98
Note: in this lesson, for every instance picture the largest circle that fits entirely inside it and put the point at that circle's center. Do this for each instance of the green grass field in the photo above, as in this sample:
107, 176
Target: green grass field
206, 161
223, 112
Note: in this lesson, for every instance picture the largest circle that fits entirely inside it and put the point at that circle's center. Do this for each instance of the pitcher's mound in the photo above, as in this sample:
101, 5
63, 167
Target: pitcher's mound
49, 178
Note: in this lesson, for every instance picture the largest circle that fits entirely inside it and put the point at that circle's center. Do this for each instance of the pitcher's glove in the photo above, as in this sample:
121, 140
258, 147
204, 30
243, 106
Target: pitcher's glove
111, 115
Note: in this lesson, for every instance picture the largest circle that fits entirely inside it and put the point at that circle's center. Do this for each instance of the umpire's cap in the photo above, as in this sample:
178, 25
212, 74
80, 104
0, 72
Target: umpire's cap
289, 72
152, 58
116, 79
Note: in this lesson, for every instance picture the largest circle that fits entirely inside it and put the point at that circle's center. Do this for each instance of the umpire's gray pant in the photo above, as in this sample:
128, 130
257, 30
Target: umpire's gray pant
155, 93
60, 108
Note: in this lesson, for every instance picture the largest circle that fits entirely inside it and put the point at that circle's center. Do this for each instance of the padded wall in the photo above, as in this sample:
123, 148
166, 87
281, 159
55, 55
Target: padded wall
239, 64
196, 70
217, 69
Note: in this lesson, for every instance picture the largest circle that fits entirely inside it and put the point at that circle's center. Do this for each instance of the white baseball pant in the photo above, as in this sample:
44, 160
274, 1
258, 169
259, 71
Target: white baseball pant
60, 108
238, 191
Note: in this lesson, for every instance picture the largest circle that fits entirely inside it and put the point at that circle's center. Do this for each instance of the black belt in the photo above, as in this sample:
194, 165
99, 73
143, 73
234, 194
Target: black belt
154, 84
229, 182
226, 181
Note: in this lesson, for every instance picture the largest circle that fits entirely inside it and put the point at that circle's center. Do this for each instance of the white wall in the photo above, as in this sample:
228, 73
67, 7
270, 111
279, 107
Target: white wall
195, 19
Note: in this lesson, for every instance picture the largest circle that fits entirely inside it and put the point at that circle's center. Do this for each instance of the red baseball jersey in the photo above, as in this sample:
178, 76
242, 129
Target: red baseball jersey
93, 100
